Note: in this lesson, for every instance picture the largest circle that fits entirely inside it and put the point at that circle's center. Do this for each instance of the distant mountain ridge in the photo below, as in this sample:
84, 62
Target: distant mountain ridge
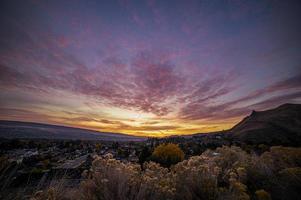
17, 129
281, 125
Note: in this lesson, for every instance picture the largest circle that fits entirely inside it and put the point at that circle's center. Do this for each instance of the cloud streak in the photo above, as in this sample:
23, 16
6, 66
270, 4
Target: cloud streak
147, 68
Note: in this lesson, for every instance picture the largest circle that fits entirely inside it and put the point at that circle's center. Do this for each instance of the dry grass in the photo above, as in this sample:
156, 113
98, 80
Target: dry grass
226, 173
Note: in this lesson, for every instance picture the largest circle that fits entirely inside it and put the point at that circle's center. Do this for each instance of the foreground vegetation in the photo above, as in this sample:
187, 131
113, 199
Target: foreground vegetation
223, 173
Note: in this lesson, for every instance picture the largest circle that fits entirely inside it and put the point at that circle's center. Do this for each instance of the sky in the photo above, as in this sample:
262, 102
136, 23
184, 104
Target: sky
148, 68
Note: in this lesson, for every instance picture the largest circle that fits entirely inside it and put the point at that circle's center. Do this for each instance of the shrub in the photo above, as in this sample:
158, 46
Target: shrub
168, 154
226, 173
195, 179
112, 179
262, 195
36, 171
289, 183
4, 163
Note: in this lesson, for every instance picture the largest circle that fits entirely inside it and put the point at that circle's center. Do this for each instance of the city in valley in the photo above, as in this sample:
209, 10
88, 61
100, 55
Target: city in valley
32, 167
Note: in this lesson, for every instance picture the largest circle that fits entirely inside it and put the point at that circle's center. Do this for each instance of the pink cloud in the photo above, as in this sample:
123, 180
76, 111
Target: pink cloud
199, 108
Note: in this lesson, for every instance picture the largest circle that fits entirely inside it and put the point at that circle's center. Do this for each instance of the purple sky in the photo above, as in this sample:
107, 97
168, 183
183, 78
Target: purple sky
152, 67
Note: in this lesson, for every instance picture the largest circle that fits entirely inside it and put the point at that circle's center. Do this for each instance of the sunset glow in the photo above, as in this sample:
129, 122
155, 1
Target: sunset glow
144, 67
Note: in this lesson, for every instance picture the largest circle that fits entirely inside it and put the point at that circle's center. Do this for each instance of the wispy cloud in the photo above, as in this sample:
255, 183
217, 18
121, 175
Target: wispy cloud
147, 67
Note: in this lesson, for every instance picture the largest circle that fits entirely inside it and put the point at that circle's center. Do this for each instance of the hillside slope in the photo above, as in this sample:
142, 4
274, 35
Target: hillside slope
15, 129
281, 125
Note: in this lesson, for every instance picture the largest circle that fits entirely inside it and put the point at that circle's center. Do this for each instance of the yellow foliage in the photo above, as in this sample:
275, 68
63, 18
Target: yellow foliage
262, 195
168, 154
97, 146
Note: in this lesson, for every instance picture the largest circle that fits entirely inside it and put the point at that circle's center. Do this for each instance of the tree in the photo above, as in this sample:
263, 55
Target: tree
115, 145
144, 155
98, 147
167, 154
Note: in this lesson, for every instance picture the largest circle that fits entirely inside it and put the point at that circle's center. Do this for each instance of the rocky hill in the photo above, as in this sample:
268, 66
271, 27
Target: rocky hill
281, 125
